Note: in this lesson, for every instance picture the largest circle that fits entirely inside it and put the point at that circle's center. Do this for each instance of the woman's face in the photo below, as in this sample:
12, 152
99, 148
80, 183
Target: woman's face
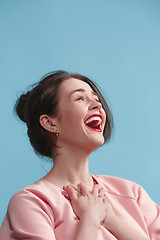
81, 118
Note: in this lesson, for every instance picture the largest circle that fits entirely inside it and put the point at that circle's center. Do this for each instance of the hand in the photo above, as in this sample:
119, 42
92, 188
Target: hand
93, 209
87, 205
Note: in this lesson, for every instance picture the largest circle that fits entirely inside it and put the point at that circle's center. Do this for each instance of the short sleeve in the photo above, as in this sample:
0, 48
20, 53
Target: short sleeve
30, 217
151, 213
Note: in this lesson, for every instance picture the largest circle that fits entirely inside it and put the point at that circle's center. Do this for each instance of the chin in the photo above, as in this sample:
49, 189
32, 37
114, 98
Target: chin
96, 143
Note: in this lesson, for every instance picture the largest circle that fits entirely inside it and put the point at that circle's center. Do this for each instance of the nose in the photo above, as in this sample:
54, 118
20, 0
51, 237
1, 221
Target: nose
95, 105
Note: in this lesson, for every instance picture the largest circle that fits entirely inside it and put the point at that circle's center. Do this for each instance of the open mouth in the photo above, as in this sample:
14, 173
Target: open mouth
94, 122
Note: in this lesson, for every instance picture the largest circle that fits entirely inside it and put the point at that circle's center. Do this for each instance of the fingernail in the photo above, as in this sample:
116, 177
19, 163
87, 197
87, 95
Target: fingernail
69, 186
65, 194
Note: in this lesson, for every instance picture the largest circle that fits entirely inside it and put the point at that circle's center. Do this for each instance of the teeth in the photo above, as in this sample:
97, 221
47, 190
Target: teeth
92, 119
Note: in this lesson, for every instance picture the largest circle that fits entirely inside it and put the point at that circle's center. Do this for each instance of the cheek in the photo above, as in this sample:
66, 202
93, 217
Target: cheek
103, 115
76, 118
72, 118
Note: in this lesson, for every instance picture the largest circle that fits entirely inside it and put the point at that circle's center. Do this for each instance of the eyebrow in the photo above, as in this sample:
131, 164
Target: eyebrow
82, 90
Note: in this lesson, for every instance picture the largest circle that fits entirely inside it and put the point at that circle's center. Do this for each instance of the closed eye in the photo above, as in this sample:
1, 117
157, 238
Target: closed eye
80, 98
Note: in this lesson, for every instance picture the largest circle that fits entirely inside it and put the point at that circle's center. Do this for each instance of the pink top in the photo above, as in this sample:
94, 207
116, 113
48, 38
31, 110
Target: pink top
41, 212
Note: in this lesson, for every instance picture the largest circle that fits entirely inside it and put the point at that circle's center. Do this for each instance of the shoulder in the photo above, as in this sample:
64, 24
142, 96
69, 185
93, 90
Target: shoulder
39, 194
120, 187
32, 211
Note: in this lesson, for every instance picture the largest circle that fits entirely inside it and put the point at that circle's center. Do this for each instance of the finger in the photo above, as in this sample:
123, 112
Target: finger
106, 202
65, 194
84, 191
75, 187
101, 192
95, 190
72, 193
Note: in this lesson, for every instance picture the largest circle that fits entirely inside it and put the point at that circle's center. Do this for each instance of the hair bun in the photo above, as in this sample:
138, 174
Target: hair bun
21, 107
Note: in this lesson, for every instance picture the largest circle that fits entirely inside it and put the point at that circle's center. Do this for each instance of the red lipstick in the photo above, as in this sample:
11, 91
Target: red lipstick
94, 124
94, 115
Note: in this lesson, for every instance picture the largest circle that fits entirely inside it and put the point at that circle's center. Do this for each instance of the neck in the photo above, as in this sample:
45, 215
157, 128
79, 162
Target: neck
70, 167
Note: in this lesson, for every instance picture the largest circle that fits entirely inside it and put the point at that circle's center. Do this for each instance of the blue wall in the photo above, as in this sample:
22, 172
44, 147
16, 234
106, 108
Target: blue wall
117, 44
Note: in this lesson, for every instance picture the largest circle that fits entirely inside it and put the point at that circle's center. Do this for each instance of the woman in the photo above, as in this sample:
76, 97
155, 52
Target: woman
67, 119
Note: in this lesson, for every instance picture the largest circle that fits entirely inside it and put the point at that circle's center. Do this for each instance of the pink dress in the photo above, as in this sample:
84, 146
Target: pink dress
41, 212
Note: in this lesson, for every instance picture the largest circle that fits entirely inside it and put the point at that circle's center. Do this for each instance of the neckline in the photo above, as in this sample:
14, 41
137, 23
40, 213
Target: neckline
94, 177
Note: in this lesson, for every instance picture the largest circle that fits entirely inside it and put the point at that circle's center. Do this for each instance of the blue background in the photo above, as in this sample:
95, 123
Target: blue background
116, 44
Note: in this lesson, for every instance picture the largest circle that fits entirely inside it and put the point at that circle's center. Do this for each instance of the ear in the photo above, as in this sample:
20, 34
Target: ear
48, 123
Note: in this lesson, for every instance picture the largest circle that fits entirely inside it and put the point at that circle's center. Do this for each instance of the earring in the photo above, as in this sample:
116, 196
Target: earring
56, 133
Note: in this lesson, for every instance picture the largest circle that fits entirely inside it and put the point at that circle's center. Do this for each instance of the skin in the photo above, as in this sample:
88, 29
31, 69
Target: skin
73, 110
70, 170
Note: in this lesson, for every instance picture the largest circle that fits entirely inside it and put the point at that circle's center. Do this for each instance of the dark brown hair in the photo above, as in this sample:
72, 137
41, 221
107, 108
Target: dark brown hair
43, 99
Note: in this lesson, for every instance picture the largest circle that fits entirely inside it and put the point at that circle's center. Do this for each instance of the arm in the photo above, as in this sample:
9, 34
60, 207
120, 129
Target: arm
89, 208
28, 218
87, 229
119, 228
150, 211
93, 211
